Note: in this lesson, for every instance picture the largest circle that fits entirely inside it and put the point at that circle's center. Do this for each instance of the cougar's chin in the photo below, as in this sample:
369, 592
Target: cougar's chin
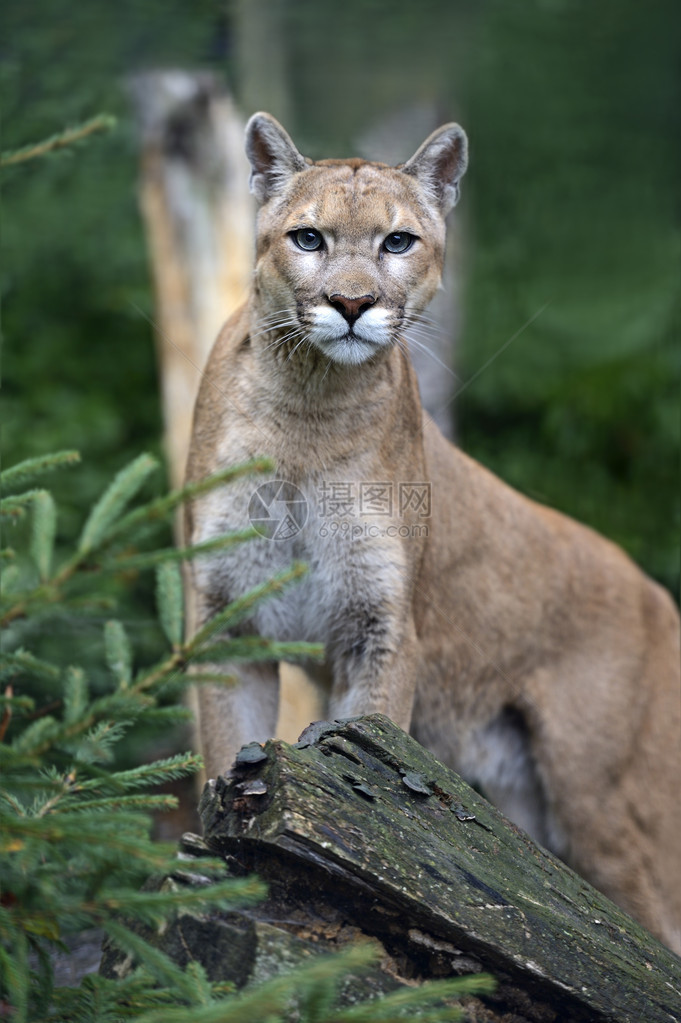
348, 351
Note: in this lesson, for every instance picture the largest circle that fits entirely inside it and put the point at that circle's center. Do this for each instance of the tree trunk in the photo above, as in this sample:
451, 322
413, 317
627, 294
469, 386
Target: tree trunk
198, 216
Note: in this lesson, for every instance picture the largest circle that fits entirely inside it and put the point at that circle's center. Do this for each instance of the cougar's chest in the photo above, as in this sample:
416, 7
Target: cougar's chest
351, 560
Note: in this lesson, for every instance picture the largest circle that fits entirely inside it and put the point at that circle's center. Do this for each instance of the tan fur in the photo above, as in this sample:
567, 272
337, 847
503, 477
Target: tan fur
526, 651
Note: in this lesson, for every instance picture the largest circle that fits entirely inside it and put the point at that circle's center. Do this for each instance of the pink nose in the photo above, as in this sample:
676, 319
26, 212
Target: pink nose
351, 308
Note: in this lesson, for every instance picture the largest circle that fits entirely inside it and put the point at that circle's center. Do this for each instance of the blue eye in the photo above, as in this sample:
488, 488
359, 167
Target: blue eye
307, 239
399, 241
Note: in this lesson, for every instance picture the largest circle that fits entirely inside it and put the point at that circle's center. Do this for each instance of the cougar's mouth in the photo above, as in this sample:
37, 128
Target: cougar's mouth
349, 343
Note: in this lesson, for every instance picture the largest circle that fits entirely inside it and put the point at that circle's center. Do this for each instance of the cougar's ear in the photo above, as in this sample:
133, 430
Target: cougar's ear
273, 157
440, 163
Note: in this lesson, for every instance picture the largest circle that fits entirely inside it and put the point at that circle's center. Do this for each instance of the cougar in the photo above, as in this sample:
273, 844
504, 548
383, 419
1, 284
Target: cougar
524, 650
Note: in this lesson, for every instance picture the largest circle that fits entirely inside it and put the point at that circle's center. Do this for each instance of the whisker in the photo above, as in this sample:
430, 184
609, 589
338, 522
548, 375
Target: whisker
433, 356
279, 341
295, 348
275, 315
426, 333
425, 318
275, 326
403, 350
424, 348
329, 363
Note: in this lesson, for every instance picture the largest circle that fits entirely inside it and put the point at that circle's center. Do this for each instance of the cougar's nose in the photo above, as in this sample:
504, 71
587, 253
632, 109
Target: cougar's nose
351, 308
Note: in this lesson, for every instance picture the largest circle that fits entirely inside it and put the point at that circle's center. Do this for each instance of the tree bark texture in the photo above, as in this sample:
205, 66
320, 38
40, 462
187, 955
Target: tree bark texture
361, 834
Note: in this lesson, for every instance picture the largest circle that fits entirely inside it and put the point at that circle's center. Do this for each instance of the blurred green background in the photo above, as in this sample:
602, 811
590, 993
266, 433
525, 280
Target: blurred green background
568, 224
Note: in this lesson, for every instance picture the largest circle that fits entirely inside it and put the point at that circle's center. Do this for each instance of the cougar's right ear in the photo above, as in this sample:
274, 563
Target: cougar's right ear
440, 163
273, 157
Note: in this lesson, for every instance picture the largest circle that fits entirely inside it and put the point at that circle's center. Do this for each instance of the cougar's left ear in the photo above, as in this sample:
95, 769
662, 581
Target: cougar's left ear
273, 157
440, 163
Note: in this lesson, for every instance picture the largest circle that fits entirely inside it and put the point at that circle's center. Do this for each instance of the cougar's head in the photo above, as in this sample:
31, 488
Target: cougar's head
348, 251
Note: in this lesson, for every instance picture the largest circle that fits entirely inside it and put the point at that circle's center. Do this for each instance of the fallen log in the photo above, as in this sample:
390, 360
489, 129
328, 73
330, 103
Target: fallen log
358, 830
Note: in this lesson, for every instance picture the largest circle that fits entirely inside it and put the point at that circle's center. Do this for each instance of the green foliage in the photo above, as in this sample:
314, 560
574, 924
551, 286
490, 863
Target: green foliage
308, 995
169, 602
78, 360
18, 475
571, 195
105, 512
75, 831
75, 828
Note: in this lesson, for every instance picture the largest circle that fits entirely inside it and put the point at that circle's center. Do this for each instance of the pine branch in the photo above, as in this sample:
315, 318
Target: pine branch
16, 970
159, 965
76, 694
216, 678
104, 526
44, 532
173, 554
391, 1007
23, 703
118, 653
96, 745
270, 1000
147, 775
36, 736
123, 837
257, 648
18, 475
170, 602
167, 716
160, 508
103, 122
242, 606
114, 499
16, 506
146, 803
23, 661
153, 907
168, 670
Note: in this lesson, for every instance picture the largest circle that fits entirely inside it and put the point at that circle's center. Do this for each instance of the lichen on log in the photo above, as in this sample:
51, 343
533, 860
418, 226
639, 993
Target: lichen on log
358, 815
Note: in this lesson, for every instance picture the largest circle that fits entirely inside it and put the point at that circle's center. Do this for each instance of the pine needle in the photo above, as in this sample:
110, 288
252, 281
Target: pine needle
172, 554
242, 606
170, 602
157, 773
20, 474
44, 532
160, 508
114, 499
103, 122
118, 652
23, 661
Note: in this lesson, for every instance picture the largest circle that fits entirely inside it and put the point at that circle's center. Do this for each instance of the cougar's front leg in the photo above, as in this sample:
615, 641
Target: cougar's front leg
375, 669
229, 717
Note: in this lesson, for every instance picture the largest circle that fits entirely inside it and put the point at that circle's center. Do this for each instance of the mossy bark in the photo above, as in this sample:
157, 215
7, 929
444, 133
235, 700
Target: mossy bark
359, 817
